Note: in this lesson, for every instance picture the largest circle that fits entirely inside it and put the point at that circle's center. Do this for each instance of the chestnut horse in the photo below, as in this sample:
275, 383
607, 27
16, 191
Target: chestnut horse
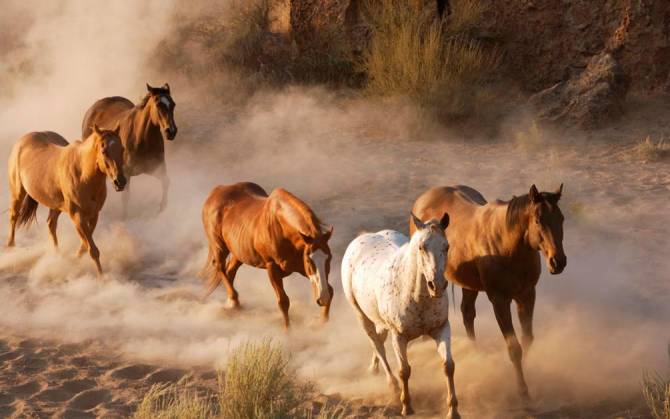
494, 247
279, 233
45, 169
142, 131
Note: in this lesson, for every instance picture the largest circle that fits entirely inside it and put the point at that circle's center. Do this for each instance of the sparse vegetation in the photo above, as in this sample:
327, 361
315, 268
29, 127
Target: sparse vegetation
437, 63
257, 383
656, 391
530, 139
650, 150
174, 401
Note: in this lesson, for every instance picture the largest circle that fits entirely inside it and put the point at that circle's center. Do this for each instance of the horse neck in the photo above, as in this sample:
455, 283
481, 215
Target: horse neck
86, 162
512, 235
142, 127
411, 284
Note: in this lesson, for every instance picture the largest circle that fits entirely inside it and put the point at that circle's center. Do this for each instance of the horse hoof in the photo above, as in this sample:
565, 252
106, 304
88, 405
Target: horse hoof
453, 414
374, 369
407, 411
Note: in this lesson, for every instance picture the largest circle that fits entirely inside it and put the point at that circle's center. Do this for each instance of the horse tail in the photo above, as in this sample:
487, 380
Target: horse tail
210, 273
28, 211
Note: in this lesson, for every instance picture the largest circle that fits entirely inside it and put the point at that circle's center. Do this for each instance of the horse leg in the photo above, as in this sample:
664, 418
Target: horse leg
443, 340
400, 347
229, 277
85, 231
14, 209
468, 311
277, 281
378, 349
525, 305
161, 175
325, 310
501, 307
52, 221
125, 199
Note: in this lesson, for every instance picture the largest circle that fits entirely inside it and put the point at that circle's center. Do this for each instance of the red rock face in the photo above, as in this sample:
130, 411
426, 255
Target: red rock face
546, 41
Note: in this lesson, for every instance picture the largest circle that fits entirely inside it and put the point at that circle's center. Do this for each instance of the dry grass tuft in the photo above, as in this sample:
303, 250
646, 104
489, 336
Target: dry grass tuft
650, 150
437, 63
656, 391
174, 401
258, 383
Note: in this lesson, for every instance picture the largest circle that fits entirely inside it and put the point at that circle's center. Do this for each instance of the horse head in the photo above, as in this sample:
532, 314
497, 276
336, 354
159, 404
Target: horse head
110, 155
430, 245
162, 110
545, 227
316, 258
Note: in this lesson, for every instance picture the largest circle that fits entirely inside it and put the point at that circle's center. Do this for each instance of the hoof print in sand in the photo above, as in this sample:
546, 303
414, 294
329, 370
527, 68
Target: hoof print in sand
133, 372
24, 391
166, 376
89, 399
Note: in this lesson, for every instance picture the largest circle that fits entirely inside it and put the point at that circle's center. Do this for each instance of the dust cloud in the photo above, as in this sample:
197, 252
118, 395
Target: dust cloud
360, 164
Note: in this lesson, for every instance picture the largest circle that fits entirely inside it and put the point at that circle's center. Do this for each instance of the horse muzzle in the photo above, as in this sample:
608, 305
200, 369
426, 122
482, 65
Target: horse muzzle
170, 133
557, 264
119, 184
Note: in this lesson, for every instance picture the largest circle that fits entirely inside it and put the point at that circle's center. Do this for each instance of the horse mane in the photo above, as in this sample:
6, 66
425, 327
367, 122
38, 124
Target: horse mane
300, 213
516, 208
143, 102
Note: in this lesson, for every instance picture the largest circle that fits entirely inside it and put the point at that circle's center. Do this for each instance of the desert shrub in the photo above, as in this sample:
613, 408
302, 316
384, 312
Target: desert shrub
174, 401
437, 63
656, 392
650, 150
238, 43
259, 383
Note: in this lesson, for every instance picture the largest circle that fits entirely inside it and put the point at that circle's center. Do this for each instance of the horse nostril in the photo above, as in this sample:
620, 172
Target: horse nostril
431, 285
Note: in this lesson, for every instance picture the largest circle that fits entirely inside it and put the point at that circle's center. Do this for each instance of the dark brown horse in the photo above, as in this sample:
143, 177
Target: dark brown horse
495, 248
142, 131
279, 233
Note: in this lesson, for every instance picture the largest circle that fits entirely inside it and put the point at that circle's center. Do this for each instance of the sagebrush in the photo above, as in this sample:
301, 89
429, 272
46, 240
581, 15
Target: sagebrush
257, 382
436, 62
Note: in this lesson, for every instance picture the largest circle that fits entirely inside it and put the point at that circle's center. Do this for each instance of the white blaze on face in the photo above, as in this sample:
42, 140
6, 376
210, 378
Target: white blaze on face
320, 278
165, 101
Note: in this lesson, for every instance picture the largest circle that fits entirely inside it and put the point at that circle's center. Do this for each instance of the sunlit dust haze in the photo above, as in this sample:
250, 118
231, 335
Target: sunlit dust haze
359, 163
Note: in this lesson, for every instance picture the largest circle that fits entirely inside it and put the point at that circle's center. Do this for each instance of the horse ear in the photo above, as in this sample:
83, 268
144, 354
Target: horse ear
328, 233
417, 222
535, 196
166, 87
117, 129
559, 192
150, 89
444, 222
96, 129
306, 238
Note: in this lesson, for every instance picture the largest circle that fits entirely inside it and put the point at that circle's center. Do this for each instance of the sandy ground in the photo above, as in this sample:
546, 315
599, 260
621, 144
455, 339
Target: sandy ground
71, 346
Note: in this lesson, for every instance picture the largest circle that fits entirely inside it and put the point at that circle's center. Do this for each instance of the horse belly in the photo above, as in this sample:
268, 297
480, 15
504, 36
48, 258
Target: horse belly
39, 180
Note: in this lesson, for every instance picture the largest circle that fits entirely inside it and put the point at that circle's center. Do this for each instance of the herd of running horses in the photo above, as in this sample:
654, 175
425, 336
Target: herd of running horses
395, 284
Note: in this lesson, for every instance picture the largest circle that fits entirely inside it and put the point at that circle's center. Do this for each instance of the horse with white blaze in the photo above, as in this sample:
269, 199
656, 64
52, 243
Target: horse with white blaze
397, 286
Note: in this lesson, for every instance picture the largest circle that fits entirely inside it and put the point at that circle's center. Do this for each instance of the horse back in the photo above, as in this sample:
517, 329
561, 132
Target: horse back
231, 217
460, 202
105, 112
35, 164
